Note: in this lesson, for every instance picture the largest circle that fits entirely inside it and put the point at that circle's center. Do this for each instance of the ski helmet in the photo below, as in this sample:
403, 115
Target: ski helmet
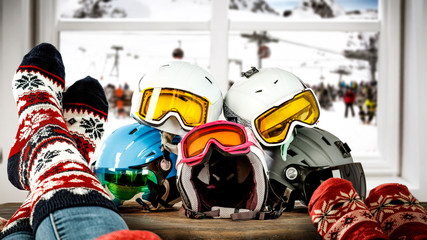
176, 97
272, 102
222, 172
132, 166
312, 157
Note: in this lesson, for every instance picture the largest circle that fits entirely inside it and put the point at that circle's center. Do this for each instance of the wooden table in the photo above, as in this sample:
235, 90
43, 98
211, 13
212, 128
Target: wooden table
174, 225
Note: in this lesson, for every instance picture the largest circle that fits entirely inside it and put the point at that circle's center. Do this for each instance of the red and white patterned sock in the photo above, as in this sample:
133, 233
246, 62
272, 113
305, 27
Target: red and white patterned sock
37, 87
85, 113
44, 158
399, 213
339, 213
20, 221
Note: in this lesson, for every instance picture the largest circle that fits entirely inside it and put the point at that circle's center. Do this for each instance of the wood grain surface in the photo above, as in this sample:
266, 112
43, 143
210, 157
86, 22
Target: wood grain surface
174, 225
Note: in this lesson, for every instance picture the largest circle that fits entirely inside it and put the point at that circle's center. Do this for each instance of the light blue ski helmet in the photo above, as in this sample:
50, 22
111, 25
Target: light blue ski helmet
132, 165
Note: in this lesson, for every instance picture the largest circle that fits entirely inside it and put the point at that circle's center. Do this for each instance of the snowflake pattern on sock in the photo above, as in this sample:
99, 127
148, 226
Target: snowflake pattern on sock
397, 211
339, 213
44, 158
85, 112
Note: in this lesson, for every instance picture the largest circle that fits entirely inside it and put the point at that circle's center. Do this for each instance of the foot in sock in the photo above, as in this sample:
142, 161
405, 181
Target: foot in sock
339, 213
399, 213
44, 158
84, 103
85, 112
37, 87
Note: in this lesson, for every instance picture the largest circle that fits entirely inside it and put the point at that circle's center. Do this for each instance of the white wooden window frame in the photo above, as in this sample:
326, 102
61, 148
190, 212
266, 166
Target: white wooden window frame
386, 164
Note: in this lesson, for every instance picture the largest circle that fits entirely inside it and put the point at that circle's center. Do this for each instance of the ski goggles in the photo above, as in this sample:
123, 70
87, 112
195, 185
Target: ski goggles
158, 104
229, 137
313, 177
125, 183
273, 126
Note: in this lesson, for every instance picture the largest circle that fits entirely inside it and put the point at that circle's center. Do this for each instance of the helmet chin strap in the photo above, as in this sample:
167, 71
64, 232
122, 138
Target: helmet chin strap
286, 144
166, 140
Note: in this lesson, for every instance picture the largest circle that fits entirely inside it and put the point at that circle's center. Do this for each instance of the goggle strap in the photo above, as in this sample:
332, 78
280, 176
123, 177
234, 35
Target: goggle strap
232, 117
166, 140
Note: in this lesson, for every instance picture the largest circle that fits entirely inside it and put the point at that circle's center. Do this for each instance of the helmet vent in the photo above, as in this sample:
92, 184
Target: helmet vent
208, 79
276, 81
326, 141
150, 154
133, 131
259, 91
291, 153
304, 162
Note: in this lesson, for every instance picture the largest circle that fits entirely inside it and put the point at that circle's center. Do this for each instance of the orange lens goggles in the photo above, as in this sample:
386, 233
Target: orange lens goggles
274, 124
228, 136
157, 103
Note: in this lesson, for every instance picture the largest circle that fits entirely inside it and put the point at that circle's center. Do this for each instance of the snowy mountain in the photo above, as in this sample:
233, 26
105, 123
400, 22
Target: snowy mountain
255, 6
312, 9
201, 9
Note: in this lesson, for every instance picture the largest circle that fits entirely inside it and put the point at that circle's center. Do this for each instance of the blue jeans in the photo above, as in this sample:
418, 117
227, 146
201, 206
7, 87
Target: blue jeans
88, 222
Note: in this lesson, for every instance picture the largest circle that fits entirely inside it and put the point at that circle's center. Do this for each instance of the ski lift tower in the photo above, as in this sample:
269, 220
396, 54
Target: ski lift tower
369, 54
116, 61
260, 39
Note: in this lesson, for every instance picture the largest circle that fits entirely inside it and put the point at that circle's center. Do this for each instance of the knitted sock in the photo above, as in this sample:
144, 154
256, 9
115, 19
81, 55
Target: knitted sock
20, 221
85, 113
401, 216
37, 87
339, 213
44, 158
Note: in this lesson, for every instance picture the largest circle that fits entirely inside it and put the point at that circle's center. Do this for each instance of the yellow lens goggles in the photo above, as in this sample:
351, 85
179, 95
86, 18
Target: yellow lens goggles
157, 104
273, 125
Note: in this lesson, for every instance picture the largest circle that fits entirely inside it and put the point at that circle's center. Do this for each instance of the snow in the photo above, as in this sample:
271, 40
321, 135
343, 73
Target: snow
311, 56
362, 138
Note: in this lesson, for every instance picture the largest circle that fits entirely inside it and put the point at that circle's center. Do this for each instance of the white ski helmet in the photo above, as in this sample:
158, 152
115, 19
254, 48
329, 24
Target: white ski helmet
179, 89
272, 102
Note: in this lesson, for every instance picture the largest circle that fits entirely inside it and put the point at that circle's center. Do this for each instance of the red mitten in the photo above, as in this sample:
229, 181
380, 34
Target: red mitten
130, 235
401, 216
339, 213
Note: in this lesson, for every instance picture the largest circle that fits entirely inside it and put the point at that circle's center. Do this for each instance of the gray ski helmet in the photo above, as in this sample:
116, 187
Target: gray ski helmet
312, 157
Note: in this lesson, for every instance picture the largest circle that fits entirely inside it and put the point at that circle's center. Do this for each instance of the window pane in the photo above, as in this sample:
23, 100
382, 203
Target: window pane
304, 9
145, 9
122, 58
329, 62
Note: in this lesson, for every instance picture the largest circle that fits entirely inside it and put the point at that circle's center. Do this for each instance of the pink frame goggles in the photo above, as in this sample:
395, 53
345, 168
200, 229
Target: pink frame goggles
230, 137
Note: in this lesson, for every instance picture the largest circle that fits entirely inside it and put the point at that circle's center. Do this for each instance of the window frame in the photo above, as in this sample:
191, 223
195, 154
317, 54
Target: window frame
386, 163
